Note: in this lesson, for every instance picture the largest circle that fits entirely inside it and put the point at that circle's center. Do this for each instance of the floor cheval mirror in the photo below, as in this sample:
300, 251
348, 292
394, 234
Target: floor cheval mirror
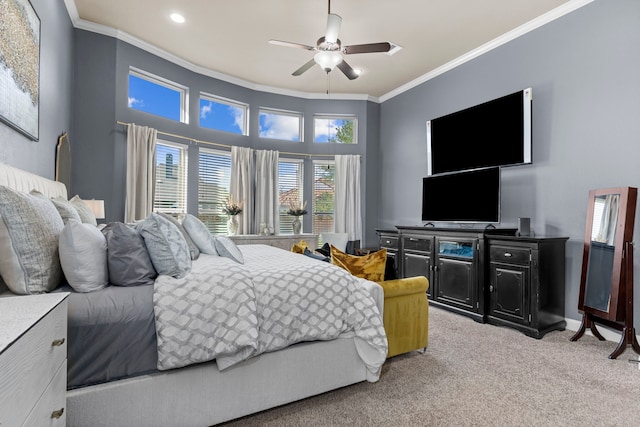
606, 284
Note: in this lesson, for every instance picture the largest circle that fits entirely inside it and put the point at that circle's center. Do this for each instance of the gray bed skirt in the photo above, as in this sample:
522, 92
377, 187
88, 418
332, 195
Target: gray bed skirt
200, 395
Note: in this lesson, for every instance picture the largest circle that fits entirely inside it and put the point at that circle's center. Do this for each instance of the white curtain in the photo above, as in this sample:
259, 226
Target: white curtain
348, 218
266, 210
141, 153
242, 185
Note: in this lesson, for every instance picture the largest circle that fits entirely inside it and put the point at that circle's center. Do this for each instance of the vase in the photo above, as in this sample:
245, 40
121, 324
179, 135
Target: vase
232, 225
297, 225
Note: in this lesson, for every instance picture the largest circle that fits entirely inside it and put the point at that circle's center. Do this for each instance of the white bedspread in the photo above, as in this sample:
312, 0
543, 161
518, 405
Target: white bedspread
230, 312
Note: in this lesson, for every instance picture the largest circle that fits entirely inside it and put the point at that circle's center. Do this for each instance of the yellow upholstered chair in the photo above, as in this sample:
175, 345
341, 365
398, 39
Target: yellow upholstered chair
406, 314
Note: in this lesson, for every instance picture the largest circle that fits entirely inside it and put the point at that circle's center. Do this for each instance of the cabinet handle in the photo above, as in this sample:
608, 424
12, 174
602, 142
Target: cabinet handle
411, 239
57, 414
508, 254
490, 288
57, 343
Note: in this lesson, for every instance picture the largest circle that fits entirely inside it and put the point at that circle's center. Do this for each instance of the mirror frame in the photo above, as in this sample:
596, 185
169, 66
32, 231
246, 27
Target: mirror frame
624, 233
63, 160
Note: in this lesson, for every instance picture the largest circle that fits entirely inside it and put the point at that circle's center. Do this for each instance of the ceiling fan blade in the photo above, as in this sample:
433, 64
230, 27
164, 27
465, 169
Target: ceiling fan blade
333, 28
304, 68
290, 44
347, 70
367, 48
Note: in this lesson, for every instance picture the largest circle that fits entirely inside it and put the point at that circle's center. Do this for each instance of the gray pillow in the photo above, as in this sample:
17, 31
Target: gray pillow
83, 255
199, 234
167, 248
127, 257
193, 248
29, 231
66, 210
86, 214
227, 248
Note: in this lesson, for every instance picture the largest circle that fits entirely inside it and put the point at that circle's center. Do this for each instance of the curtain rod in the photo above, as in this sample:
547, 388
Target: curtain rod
197, 141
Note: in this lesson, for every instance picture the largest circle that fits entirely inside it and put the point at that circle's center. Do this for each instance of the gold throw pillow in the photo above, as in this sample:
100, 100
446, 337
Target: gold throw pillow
298, 248
370, 267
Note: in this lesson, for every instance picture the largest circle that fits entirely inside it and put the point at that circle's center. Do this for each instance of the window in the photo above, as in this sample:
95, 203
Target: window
223, 114
290, 183
335, 129
277, 124
171, 179
214, 186
323, 196
155, 95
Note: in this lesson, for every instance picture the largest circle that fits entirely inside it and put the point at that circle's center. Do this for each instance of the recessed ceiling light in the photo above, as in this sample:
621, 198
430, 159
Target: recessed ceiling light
176, 17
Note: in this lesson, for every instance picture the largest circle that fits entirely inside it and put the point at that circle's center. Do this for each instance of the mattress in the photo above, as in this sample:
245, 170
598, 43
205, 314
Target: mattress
111, 334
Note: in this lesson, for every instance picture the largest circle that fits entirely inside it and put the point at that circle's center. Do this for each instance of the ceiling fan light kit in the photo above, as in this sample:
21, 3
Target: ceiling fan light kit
330, 51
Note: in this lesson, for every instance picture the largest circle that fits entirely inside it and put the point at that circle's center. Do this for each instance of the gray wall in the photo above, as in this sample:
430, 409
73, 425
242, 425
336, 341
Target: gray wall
56, 76
584, 70
102, 74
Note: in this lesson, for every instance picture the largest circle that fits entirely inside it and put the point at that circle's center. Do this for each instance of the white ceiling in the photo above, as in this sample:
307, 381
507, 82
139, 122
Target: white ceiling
229, 39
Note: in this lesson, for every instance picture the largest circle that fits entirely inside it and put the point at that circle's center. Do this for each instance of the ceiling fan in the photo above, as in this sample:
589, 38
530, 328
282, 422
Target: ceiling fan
330, 50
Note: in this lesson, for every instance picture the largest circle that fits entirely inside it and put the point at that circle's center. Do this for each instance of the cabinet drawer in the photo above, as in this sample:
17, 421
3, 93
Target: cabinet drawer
51, 408
509, 255
416, 244
388, 242
29, 364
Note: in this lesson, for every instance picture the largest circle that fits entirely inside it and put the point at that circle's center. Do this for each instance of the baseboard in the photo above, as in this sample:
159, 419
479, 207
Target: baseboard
608, 334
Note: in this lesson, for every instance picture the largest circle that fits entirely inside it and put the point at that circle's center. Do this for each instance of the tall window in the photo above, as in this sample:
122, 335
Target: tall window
323, 196
290, 184
156, 95
335, 129
223, 114
214, 185
171, 178
277, 124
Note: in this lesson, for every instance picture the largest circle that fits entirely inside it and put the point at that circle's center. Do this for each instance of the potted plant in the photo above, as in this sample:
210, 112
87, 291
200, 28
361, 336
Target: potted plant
297, 210
232, 209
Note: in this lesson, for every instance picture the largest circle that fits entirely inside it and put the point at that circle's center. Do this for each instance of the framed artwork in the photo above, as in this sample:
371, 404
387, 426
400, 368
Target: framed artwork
20, 66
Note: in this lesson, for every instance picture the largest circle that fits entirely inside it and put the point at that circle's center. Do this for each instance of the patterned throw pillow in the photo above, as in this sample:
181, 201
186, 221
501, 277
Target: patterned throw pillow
29, 231
83, 255
193, 248
300, 247
167, 248
370, 267
200, 234
227, 248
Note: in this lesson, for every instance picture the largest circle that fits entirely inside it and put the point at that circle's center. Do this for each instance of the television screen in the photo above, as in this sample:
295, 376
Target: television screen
470, 196
496, 133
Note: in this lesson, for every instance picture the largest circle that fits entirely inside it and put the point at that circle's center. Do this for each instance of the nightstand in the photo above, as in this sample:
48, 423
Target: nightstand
33, 360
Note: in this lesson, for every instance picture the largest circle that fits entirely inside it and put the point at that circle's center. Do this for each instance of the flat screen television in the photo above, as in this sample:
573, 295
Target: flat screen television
466, 197
495, 133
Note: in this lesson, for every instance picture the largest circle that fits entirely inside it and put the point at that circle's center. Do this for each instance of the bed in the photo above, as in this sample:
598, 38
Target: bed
113, 361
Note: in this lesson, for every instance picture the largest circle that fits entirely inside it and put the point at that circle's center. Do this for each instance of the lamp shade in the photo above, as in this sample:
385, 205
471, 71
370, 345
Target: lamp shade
328, 59
97, 207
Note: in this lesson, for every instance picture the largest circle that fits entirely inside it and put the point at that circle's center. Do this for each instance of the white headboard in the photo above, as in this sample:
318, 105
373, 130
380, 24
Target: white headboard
24, 181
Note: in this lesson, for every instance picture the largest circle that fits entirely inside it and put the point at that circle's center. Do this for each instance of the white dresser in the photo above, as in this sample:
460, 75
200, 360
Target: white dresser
282, 241
33, 360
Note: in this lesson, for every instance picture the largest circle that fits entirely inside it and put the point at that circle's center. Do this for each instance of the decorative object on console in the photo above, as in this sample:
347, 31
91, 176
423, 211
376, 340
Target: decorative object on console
606, 285
232, 209
20, 57
297, 210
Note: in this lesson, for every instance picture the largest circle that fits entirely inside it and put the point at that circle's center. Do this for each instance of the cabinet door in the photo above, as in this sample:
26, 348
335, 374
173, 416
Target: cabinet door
509, 291
456, 283
418, 265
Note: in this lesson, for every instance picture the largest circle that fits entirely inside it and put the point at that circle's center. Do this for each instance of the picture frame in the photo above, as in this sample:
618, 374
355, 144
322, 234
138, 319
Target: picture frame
20, 67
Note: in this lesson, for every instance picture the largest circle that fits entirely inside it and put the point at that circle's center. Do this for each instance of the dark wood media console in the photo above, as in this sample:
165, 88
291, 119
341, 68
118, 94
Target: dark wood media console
489, 275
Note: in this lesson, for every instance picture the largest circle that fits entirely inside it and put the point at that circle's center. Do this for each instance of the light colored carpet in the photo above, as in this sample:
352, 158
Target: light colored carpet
481, 375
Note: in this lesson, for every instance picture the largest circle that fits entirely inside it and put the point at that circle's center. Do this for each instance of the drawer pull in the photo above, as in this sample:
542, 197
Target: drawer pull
411, 239
57, 414
57, 343
508, 255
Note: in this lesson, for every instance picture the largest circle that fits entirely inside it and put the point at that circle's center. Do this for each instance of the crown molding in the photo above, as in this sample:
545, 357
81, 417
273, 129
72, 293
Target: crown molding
552, 15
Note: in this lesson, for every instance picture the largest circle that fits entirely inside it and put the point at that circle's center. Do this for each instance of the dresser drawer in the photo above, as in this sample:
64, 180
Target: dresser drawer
388, 242
417, 244
29, 364
509, 255
51, 409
